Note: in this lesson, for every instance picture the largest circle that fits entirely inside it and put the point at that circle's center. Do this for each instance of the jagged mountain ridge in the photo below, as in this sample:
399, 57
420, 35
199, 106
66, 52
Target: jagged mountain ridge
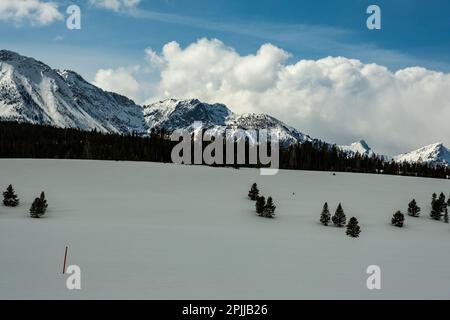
174, 114
360, 147
32, 92
434, 154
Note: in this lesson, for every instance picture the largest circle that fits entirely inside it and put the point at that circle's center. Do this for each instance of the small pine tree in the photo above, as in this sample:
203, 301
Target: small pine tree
43, 202
433, 198
39, 206
441, 201
254, 192
10, 198
260, 204
339, 218
413, 209
353, 229
397, 219
436, 208
269, 208
325, 216
34, 210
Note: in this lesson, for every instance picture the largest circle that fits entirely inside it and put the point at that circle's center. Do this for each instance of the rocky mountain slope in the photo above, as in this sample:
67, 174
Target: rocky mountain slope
32, 92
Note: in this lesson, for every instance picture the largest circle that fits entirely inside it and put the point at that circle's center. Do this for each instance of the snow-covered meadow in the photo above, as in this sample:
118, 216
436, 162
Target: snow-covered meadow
161, 231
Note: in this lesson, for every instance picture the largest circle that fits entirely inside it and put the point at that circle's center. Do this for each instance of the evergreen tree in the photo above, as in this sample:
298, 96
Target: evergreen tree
398, 219
446, 210
339, 218
353, 229
260, 204
10, 198
325, 216
436, 207
269, 208
38, 207
433, 199
36, 141
413, 209
43, 202
442, 203
35, 212
254, 192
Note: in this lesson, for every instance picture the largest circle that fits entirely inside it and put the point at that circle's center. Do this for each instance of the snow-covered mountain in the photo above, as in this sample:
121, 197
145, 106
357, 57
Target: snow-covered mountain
360, 147
434, 154
180, 114
32, 92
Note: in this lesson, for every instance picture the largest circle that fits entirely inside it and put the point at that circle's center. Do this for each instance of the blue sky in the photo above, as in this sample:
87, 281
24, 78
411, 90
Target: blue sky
413, 32
394, 107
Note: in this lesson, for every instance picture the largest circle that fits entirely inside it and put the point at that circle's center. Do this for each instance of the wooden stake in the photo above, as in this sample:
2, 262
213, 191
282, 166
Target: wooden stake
65, 260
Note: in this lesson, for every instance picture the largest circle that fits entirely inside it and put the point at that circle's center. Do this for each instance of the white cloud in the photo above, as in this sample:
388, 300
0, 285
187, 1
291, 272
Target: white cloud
115, 5
120, 80
154, 60
36, 12
334, 98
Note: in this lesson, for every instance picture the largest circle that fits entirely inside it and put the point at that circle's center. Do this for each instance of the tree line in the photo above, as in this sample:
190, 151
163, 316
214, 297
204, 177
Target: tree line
21, 140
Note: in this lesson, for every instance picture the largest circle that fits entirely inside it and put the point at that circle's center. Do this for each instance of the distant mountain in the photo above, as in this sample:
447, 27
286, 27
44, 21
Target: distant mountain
32, 92
433, 154
360, 147
180, 114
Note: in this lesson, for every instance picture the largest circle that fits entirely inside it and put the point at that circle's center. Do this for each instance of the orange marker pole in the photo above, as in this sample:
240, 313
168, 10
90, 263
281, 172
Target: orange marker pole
65, 260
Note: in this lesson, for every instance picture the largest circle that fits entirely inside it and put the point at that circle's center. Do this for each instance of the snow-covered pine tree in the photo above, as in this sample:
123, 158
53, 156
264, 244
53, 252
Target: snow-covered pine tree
433, 198
325, 216
339, 218
254, 192
353, 229
10, 198
397, 219
39, 206
34, 210
260, 204
436, 208
43, 202
442, 201
413, 209
269, 208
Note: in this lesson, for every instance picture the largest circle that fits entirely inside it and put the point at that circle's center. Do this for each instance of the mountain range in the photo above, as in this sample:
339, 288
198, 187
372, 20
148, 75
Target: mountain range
32, 92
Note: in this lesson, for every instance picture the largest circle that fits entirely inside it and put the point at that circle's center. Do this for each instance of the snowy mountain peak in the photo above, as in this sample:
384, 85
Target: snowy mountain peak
434, 154
30, 91
360, 147
363, 144
6, 55
174, 114
180, 114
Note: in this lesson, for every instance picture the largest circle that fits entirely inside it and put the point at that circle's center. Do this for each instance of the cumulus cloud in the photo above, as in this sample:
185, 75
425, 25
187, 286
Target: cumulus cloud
153, 59
115, 5
36, 12
120, 80
335, 98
